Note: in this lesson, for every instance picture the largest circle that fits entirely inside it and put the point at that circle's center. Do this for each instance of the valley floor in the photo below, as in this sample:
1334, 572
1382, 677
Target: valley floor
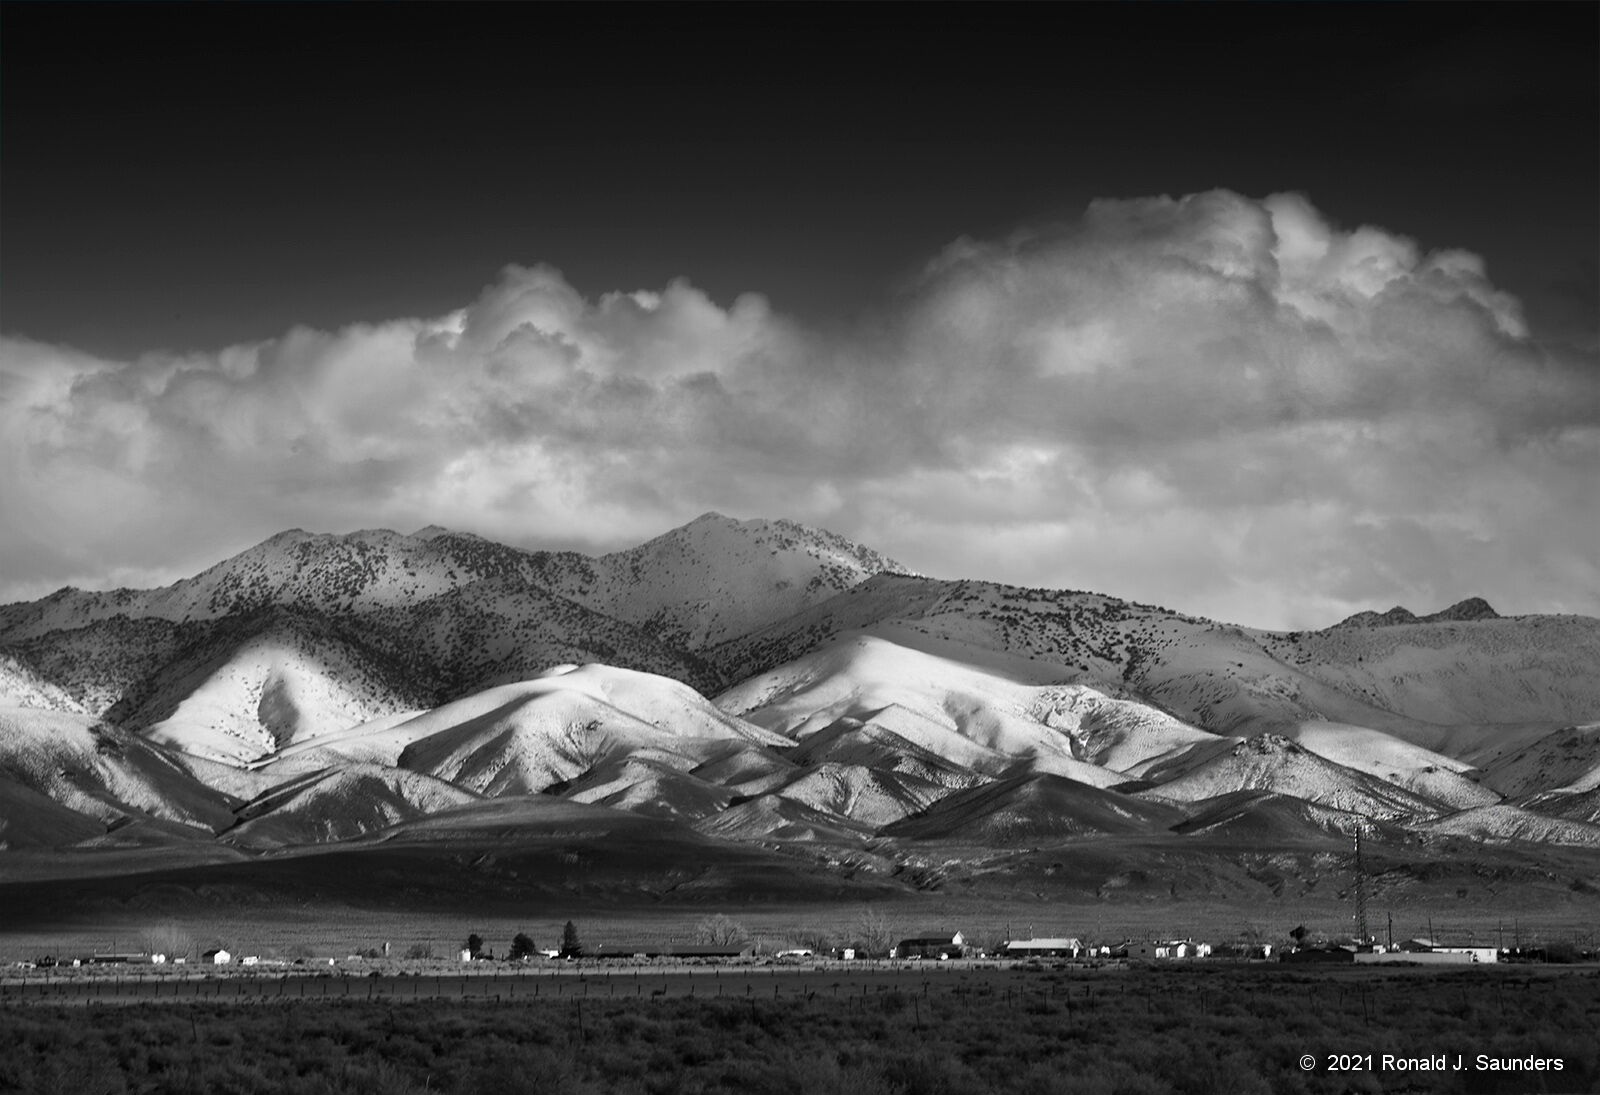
319, 932
1204, 1028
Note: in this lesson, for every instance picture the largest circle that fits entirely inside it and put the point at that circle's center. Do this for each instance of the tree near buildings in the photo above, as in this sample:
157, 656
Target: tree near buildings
720, 931
521, 947
170, 939
815, 940
571, 945
873, 931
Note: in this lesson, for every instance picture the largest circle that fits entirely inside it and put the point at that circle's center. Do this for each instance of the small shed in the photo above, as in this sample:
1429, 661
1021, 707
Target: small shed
217, 957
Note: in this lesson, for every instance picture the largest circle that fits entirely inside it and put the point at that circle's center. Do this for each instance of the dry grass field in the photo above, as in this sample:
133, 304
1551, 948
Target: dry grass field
1142, 1030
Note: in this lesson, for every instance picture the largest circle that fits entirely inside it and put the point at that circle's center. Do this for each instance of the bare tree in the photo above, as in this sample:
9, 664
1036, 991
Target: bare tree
873, 931
168, 938
815, 940
720, 931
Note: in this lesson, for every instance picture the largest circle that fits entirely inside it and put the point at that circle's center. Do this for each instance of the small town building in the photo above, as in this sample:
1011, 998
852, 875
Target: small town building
217, 957
1449, 952
671, 950
934, 945
1042, 948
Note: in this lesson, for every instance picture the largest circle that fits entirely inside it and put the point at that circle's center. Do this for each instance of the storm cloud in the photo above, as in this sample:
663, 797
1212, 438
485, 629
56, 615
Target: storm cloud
1225, 405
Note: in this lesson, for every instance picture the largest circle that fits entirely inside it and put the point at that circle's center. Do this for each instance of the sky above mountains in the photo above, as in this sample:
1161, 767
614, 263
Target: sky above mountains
1270, 313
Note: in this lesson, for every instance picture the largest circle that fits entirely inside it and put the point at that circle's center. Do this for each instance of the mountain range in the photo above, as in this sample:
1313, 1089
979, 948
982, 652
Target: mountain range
763, 704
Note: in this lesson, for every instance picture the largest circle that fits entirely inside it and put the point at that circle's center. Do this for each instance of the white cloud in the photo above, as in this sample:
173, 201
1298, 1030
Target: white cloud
1225, 405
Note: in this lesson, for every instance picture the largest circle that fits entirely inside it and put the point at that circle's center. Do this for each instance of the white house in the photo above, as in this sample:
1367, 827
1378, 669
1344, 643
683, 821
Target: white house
218, 957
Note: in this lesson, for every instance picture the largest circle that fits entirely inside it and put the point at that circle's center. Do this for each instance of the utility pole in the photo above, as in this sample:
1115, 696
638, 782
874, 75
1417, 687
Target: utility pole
1362, 935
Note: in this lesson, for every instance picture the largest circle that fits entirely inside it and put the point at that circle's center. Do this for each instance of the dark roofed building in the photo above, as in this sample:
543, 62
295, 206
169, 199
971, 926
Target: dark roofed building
930, 946
671, 950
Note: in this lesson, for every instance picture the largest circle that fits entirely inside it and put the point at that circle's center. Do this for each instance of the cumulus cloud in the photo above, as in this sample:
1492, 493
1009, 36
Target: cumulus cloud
1227, 405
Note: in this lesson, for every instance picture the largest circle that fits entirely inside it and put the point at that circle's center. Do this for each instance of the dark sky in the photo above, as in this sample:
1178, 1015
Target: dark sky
1268, 312
183, 177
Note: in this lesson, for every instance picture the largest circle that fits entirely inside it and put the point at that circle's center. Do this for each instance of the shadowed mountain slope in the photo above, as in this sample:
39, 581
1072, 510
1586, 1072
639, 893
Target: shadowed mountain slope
263, 682
1270, 818
341, 803
103, 772
1276, 764
1031, 809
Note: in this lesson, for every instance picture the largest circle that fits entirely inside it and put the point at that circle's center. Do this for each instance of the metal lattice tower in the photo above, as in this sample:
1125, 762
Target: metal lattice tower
1362, 934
